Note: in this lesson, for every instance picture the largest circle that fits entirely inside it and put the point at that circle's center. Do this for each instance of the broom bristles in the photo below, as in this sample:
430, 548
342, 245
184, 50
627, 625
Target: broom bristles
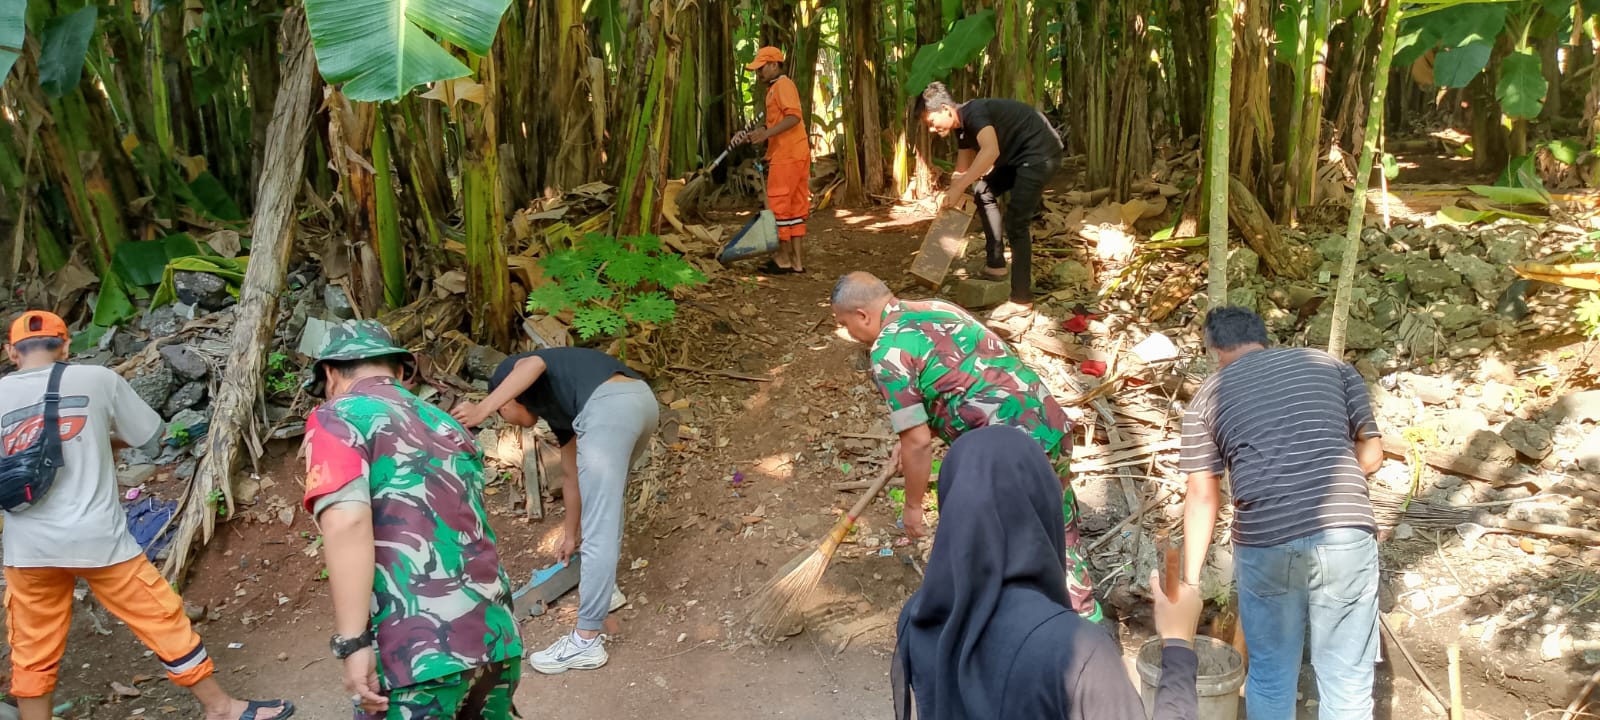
782, 598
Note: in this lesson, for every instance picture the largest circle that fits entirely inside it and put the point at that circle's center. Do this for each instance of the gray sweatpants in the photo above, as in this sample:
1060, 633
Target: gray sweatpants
613, 430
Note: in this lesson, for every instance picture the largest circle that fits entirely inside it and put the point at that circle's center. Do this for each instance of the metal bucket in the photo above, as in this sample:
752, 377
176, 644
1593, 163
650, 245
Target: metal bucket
1220, 676
759, 237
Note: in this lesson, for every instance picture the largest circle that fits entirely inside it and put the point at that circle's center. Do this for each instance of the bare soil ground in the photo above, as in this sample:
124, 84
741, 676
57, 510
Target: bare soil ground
741, 481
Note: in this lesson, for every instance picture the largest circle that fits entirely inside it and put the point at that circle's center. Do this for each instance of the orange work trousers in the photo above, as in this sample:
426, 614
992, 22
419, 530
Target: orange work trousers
789, 196
39, 612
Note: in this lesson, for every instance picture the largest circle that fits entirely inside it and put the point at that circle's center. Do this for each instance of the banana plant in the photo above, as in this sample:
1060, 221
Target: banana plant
379, 51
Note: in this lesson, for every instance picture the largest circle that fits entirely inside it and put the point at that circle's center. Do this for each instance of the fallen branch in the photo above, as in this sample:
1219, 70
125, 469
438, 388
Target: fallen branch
1582, 699
722, 373
1405, 652
272, 231
1116, 529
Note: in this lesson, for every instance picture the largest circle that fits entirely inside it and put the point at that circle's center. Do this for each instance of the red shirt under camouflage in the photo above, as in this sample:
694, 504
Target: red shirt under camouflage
441, 602
936, 364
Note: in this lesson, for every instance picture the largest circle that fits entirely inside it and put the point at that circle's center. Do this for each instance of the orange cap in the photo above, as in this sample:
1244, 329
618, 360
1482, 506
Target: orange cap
768, 54
38, 324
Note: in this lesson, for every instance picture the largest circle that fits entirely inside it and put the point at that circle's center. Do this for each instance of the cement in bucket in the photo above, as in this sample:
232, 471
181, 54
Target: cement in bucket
759, 237
1217, 683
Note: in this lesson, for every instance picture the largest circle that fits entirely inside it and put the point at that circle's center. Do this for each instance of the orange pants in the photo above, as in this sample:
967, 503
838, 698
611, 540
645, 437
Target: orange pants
39, 613
789, 196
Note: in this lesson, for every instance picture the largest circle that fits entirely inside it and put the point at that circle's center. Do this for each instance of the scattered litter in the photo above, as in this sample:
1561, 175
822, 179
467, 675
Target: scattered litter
1096, 368
133, 494
885, 552
235, 646
639, 564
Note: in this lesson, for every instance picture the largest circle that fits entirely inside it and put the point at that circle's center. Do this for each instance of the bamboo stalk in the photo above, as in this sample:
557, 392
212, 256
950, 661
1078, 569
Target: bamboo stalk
1358, 201
1217, 153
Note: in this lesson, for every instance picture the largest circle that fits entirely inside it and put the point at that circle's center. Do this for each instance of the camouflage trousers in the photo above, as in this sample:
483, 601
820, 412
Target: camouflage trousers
1079, 589
482, 693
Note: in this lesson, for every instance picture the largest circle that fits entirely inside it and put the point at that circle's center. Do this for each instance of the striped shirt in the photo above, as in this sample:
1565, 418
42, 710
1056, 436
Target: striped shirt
1282, 422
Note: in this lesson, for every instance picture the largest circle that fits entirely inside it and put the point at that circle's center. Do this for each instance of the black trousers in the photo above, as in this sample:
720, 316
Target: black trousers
1025, 183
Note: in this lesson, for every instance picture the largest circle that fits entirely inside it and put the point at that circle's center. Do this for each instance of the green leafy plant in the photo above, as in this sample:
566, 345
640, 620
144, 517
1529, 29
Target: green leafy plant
180, 436
610, 284
1588, 313
282, 375
218, 502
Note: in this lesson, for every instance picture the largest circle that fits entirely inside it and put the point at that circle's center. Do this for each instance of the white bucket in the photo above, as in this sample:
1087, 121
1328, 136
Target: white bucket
1220, 676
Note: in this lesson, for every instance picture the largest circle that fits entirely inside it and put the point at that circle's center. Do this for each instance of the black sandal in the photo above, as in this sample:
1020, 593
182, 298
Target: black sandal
773, 268
253, 706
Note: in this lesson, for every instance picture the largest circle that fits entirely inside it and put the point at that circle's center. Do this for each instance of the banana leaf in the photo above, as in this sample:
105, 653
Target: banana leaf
12, 30
62, 47
381, 49
230, 269
1512, 195
142, 263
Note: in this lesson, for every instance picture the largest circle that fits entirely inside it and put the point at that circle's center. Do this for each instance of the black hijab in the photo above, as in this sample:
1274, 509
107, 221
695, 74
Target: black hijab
995, 577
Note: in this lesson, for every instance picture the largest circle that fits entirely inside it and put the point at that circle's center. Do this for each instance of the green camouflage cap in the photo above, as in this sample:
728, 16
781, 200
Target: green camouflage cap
355, 340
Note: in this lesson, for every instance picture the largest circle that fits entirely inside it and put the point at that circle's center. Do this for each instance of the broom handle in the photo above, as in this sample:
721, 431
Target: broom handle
836, 535
876, 487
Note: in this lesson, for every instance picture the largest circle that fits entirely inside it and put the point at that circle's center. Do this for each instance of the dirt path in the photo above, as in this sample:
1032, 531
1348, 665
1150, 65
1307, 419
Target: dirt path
741, 480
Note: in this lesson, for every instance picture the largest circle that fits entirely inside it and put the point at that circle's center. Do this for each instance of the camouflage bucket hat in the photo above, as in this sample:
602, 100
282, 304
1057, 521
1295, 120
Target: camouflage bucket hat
356, 340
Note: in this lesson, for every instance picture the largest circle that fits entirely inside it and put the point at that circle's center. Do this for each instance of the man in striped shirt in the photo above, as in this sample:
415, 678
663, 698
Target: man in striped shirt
1294, 431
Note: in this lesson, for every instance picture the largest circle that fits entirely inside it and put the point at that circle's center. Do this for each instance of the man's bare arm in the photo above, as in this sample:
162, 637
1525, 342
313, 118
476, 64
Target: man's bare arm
1200, 507
1369, 453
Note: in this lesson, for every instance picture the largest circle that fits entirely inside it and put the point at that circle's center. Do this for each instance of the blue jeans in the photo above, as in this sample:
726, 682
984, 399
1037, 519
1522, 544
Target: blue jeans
1327, 582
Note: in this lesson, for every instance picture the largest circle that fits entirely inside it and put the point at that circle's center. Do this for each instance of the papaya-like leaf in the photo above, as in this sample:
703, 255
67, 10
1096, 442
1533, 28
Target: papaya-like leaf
1457, 66
1522, 85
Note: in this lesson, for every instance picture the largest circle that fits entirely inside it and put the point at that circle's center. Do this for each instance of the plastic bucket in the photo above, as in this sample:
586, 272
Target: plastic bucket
1217, 683
758, 237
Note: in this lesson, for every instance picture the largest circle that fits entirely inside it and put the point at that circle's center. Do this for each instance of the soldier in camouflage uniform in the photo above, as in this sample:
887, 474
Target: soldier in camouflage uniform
942, 372
397, 487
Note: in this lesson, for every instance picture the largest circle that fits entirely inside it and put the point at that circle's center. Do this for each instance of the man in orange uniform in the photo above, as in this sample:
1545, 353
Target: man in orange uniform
788, 161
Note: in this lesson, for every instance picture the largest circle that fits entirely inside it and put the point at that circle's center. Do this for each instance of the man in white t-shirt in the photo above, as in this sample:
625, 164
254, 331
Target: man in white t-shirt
78, 529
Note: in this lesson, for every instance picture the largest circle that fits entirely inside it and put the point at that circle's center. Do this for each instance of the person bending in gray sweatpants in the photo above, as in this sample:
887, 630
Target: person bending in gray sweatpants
603, 415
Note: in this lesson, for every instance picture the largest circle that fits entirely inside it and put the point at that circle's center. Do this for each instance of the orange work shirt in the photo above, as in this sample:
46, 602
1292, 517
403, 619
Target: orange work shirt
783, 99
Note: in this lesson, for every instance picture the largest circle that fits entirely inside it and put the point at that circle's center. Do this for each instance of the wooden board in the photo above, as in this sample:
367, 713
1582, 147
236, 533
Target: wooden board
946, 240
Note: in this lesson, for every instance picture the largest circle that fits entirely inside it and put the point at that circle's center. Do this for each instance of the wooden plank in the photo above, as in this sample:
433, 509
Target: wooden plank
945, 242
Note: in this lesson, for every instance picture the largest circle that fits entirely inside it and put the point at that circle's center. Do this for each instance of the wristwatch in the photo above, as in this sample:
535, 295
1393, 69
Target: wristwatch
344, 647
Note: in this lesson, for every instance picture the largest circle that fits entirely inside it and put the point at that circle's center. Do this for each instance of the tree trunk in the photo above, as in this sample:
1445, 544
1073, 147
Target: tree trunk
1250, 155
1358, 200
1305, 128
1190, 70
483, 216
272, 232
1285, 260
863, 140
1591, 102
1489, 138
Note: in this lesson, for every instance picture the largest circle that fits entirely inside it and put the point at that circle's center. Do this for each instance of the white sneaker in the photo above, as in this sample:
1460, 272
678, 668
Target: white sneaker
565, 654
617, 599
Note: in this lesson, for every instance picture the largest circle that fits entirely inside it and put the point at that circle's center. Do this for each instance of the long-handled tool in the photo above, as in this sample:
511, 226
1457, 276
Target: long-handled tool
688, 199
785, 595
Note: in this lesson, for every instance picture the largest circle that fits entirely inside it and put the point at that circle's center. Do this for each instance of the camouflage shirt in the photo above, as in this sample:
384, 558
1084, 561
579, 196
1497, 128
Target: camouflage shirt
936, 364
441, 602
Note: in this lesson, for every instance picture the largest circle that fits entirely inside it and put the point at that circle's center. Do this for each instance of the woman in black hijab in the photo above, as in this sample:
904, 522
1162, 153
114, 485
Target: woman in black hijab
990, 634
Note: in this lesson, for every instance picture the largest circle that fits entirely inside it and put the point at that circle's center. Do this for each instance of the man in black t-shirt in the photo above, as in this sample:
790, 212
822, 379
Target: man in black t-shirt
603, 416
1004, 146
